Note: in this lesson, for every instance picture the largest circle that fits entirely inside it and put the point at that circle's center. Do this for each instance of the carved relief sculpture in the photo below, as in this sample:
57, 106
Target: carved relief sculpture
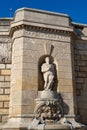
49, 110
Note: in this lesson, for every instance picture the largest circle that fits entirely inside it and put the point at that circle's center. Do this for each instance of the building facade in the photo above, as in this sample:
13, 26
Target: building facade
24, 42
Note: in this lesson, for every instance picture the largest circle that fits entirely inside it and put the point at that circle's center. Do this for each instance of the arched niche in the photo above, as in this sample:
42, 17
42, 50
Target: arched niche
40, 74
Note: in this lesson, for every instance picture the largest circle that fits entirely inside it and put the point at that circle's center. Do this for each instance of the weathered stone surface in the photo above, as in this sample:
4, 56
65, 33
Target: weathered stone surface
1, 104
1, 78
43, 17
4, 97
4, 118
5, 72
7, 91
29, 44
1, 91
4, 84
7, 78
4, 111
6, 104
8, 66
81, 68
2, 66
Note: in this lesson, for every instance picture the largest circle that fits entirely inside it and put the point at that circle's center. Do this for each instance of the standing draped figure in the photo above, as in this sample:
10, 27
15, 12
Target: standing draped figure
48, 74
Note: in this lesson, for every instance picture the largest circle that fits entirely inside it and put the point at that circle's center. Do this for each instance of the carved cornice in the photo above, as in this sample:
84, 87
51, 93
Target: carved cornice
63, 30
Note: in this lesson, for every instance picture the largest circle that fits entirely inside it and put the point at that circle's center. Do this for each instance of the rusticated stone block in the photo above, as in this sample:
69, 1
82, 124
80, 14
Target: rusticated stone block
79, 80
67, 96
0, 119
64, 75
82, 63
84, 57
4, 97
66, 88
14, 111
76, 51
83, 69
7, 78
4, 111
1, 104
77, 57
4, 118
5, 72
4, 84
78, 92
7, 91
79, 86
2, 66
64, 68
65, 82
6, 104
81, 74
8, 66
82, 52
27, 109
1, 91
1, 78
64, 62
77, 68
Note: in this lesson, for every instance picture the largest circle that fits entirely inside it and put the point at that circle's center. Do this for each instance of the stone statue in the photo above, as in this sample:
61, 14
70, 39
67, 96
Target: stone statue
48, 74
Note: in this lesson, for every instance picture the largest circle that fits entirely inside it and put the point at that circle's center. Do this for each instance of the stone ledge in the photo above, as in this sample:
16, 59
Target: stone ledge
40, 27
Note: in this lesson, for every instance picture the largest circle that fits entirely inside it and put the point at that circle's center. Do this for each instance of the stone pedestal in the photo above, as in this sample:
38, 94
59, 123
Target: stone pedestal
55, 127
16, 124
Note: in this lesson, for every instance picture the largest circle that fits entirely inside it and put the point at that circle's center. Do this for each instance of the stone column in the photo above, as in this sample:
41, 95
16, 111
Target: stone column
23, 87
19, 104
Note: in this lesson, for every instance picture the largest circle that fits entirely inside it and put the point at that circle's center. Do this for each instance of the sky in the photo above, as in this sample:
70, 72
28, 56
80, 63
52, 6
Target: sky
76, 9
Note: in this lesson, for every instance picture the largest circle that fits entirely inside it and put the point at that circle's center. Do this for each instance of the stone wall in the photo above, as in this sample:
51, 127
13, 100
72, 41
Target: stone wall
5, 66
4, 91
30, 41
81, 78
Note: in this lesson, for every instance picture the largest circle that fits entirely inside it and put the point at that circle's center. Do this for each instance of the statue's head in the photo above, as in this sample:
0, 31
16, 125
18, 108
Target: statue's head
47, 59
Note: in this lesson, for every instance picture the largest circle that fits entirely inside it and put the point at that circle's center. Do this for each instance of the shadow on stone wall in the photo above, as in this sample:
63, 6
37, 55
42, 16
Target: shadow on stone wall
64, 106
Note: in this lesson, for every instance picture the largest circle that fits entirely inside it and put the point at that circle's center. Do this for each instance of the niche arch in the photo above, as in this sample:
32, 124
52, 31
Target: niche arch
40, 74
